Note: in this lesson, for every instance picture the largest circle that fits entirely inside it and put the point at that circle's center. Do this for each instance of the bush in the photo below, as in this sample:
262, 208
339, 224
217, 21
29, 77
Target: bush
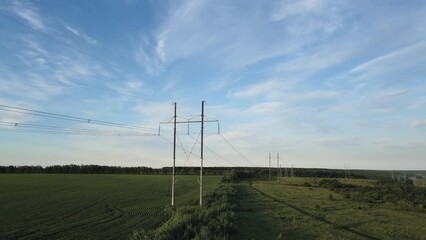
403, 194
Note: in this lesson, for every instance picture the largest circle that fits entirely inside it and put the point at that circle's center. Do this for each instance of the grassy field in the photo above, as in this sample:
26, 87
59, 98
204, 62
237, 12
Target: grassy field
303, 210
50, 206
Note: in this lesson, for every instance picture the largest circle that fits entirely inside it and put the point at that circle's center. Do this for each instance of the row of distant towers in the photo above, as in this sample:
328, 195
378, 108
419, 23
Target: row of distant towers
291, 173
287, 172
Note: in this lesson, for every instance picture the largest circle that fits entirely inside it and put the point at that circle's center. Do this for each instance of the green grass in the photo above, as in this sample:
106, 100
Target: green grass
55, 206
255, 217
311, 212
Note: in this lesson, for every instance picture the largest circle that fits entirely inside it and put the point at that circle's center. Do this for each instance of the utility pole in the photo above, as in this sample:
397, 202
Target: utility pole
174, 156
174, 122
202, 143
349, 171
278, 166
345, 171
269, 166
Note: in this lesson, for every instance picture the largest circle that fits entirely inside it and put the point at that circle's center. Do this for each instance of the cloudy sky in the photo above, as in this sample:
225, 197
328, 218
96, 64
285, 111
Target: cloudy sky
325, 83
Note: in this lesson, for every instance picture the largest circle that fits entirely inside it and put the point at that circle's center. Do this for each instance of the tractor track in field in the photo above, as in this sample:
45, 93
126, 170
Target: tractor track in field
309, 214
49, 225
153, 217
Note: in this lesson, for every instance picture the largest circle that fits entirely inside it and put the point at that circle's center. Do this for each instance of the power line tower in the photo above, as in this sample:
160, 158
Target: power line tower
270, 166
175, 122
174, 155
349, 171
292, 171
285, 171
345, 172
278, 166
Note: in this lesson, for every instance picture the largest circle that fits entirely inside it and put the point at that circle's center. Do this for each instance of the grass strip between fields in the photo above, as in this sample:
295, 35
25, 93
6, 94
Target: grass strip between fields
321, 219
216, 219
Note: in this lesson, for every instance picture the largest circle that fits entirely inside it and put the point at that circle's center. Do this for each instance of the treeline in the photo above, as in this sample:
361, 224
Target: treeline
243, 172
98, 169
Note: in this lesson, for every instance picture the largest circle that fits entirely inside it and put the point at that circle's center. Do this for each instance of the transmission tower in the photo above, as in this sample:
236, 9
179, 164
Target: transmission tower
278, 166
270, 166
202, 121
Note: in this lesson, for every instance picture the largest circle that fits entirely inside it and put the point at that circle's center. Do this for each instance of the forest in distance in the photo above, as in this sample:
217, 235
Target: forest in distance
244, 172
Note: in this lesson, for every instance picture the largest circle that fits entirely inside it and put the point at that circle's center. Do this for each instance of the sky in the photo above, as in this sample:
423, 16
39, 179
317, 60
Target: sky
327, 84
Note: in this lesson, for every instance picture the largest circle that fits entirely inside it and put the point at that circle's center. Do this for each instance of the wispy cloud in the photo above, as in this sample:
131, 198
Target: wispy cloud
192, 30
338, 143
257, 89
29, 13
79, 34
419, 123
149, 54
313, 15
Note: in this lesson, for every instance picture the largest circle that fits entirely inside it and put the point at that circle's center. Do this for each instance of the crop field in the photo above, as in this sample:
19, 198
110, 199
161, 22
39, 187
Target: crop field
298, 208
62, 206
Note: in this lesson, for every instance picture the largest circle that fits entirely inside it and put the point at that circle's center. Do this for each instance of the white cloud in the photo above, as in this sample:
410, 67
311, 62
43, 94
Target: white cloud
314, 95
402, 62
291, 8
77, 33
236, 38
419, 123
154, 112
266, 108
258, 89
148, 55
30, 13
337, 143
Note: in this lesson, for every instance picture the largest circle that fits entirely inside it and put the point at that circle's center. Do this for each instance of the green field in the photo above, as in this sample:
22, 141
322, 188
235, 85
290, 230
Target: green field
62, 206
297, 208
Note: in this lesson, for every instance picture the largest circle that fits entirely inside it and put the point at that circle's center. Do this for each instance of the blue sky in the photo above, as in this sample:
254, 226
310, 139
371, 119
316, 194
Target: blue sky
325, 83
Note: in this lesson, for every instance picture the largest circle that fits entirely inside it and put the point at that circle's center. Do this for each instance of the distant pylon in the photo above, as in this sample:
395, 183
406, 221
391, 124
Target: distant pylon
270, 166
278, 166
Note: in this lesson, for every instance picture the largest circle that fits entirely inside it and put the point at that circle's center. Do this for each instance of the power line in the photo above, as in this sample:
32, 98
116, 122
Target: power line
72, 118
209, 161
236, 150
44, 131
48, 128
215, 153
183, 148
192, 149
172, 143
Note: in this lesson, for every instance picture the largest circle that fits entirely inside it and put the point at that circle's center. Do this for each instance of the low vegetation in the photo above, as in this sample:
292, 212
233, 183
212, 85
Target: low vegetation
214, 220
314, 208
404, 194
